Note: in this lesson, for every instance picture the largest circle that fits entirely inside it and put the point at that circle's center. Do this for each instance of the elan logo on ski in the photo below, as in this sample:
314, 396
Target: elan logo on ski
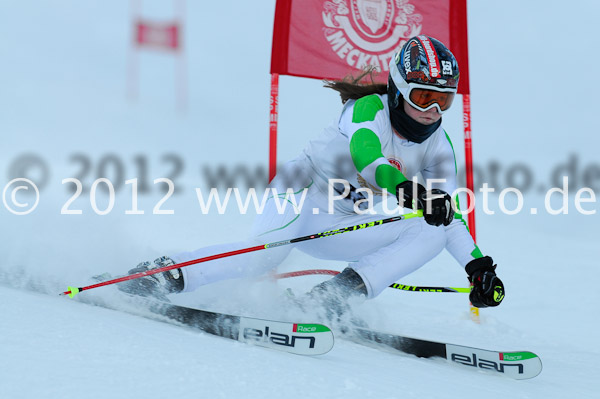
484, 364
303, 339
276, 338
519, 365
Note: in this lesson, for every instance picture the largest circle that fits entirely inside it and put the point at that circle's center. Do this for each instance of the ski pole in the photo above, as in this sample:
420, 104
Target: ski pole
72, 291
418, 288
398, 286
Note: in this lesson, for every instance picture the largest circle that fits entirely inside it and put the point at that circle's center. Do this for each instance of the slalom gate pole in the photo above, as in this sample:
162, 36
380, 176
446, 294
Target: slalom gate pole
401, 287
72, 291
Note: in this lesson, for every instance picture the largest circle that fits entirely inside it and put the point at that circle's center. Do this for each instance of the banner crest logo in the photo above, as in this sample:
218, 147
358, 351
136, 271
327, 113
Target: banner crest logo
368, 32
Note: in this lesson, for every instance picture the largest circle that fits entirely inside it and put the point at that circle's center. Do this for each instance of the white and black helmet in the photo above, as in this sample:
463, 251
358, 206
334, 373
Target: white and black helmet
425, 73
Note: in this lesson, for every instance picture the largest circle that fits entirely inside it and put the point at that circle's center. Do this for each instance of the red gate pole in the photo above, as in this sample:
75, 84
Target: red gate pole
273, 115
469, 161
181, 72
469, 172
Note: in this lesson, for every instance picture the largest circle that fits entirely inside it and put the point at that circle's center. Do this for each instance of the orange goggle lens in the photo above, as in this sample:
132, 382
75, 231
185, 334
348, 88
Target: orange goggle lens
423, 98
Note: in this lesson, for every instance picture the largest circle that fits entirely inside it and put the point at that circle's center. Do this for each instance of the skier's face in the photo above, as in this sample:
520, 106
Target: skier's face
428, 117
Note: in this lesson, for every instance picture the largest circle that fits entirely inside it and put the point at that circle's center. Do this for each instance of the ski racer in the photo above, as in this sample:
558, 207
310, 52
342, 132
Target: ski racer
385, 136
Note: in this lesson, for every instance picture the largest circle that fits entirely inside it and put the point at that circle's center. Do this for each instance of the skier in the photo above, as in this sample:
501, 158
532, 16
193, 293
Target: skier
385, 135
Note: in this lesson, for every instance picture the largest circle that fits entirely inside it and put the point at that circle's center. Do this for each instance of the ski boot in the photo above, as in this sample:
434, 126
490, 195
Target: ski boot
334, 297
157, 285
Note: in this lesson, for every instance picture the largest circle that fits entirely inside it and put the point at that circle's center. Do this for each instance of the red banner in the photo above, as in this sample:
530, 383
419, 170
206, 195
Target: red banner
329, 39
164, 36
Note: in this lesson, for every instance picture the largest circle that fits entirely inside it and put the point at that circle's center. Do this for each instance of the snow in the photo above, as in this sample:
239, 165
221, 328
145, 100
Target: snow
64, 100
72, 347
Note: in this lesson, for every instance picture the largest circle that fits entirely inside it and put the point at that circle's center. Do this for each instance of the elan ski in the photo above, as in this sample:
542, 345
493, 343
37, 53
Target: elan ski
517, 365
297, 338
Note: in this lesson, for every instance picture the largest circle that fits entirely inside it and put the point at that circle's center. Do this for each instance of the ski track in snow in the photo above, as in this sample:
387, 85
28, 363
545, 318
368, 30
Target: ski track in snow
67, 347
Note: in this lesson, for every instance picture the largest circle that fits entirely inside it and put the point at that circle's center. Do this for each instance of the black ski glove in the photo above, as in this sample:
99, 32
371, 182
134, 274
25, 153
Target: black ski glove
436, 204
486, 288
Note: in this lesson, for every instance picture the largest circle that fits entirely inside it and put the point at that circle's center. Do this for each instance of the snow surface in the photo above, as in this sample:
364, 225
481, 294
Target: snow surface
64, 93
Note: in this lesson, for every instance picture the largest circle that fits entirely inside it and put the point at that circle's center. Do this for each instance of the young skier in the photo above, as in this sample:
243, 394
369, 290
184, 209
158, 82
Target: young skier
384, 137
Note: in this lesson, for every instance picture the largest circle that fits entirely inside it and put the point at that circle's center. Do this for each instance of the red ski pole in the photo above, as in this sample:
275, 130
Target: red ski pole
72, 291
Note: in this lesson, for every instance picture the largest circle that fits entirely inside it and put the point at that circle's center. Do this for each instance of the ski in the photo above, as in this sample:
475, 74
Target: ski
517, 365
296, 338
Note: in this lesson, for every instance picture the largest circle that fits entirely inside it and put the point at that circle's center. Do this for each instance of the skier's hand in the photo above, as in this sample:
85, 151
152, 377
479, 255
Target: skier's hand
408, 193
437, 207
486, 288
436, 204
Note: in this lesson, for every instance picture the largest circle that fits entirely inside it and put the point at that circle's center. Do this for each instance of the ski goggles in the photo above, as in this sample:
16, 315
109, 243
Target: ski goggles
423, 97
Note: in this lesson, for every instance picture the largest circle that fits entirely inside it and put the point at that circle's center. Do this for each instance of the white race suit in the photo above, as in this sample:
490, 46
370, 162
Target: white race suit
362, 149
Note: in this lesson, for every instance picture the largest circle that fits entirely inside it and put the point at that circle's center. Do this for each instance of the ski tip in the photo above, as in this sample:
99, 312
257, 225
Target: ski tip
529, 365
72, 291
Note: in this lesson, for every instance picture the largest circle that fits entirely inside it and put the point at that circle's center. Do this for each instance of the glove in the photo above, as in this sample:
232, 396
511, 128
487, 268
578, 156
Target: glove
436, 204
155, 285
486, 288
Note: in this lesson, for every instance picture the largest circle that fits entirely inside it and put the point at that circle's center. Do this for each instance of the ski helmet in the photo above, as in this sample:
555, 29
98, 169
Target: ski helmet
425, 73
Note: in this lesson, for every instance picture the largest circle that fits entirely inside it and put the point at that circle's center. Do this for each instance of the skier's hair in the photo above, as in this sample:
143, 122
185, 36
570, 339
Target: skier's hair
355, 87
